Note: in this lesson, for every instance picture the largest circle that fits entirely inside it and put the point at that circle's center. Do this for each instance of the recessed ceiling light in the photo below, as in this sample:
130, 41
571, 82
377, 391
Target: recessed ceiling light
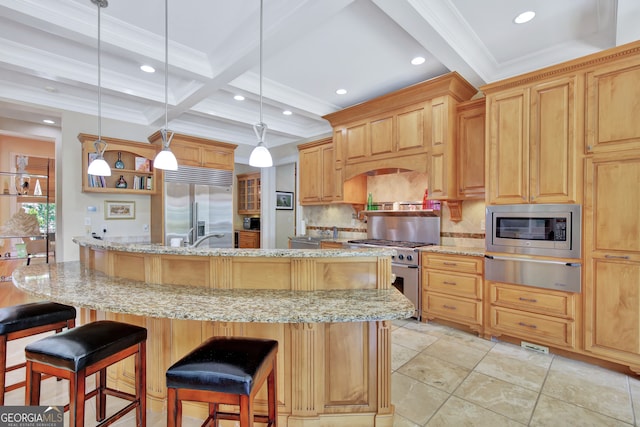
147, 69
524, 17
239, 98
341, 91
418, 60
48, 121
287, 113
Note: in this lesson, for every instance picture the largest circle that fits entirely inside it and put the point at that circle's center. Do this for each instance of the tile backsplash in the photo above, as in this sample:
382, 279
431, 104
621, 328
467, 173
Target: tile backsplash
400, 187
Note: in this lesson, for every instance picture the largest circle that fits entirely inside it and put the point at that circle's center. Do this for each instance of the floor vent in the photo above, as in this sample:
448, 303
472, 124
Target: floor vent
534, 347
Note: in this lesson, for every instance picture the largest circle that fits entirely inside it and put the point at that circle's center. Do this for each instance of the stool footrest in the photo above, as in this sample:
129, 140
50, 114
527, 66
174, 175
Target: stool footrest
121, 413
236, 417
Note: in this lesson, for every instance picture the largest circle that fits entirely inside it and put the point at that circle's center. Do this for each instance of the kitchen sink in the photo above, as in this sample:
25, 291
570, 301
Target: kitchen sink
305, 242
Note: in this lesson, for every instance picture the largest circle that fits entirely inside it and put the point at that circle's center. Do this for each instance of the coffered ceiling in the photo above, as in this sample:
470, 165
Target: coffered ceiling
48, 59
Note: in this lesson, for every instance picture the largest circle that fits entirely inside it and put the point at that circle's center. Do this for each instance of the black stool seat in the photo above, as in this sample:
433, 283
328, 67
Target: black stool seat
227, 365
80, 347
32, 315
225, 371
80, 352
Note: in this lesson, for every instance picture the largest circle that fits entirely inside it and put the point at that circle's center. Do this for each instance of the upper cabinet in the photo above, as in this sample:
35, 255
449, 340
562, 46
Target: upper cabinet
199, 152
471, 133
532, 153
320, 182
249, 194
612, 97
395, 130
130, 162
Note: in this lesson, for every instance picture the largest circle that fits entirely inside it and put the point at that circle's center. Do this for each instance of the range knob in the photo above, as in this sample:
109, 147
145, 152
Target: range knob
409, 257
400, 257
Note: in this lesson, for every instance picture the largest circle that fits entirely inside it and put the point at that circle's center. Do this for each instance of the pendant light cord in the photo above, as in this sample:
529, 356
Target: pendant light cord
261, 1
166, 64
100, 6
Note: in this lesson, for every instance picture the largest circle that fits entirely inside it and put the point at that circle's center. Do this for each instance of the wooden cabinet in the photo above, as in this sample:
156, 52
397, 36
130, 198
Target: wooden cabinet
442, 155
249, 194
612, 257
470, 155
612, 106
320, 180
533, 154
199, 152
317, 175
452, 289
138, 171
249, 239
326, 244
536, 315
394, 131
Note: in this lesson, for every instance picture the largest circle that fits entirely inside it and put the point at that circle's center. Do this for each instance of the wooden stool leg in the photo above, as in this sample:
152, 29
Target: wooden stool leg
32, 386
173, 416
3, 367
272, 395
246, 411
101, 398
76, 399
141, 384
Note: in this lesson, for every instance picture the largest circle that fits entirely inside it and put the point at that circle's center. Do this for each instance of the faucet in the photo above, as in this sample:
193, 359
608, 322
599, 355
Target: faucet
205, 237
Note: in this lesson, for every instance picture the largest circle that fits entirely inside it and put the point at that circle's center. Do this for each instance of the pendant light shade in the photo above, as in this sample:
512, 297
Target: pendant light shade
165, 159
99, 166
260, 156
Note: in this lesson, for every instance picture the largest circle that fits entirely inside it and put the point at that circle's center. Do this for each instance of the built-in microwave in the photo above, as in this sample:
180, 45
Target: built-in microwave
545, 229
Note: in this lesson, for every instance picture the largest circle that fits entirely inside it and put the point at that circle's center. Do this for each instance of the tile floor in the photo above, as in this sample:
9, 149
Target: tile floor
445, 377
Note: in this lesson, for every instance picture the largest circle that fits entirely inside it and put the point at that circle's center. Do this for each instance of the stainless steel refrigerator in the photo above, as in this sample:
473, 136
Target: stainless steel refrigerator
198, 207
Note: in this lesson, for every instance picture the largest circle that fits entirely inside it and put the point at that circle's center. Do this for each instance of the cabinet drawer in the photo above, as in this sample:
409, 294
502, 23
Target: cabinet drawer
533, 327
452, 308
458, 263
468, 286
533, 300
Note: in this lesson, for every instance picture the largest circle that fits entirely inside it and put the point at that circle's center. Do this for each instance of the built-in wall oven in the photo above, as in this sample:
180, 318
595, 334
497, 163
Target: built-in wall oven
534, 245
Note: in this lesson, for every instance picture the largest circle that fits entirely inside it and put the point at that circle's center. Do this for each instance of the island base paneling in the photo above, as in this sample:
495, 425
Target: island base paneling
329, 374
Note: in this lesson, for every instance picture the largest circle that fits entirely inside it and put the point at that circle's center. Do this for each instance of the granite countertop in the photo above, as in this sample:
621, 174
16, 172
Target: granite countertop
71, 283
150, 248
454, 250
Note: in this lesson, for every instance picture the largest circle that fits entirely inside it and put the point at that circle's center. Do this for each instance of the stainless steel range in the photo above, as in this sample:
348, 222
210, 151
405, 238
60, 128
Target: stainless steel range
406, 234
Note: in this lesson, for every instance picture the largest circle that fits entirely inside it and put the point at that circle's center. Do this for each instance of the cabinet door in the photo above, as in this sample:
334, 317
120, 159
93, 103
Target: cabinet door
328, 173
612, 274
508, 157
471, 145
612, 107
382, 141
553, 143
410, 130
217, 159
357, 143
442, 176
309, 173
188, 155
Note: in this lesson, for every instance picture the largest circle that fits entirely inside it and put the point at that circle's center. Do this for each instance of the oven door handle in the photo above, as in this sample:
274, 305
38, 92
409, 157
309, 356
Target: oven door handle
541, 261
404, 266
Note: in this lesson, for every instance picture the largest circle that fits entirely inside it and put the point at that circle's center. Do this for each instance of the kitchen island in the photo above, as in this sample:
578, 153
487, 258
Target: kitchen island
330, 311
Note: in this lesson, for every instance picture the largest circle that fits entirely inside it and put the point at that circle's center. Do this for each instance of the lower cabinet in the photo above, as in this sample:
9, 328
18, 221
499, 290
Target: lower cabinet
249, 239
452, 289
532, 314
326, 244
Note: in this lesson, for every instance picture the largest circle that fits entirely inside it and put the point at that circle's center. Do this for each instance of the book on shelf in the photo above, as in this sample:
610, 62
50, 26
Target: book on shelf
142, 182
142, 164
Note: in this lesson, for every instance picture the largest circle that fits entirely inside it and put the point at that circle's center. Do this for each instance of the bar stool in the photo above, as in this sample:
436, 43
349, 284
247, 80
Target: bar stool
25, 320
224, 371
83, 351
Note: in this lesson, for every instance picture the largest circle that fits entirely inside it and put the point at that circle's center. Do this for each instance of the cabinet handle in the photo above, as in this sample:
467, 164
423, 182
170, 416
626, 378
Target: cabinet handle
528, 299
449, 307
452, 264
450, 283
526, 325
617, 256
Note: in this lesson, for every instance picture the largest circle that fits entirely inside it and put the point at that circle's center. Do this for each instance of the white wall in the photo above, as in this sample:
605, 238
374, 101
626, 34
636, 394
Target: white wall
285, 219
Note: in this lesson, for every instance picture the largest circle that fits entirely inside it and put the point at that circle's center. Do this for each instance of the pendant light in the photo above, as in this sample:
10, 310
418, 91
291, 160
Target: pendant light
99, 166
165, 159
260, 156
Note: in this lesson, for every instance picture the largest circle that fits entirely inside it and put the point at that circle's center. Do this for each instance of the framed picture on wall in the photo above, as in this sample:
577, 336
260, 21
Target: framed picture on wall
284, 200
119, 210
